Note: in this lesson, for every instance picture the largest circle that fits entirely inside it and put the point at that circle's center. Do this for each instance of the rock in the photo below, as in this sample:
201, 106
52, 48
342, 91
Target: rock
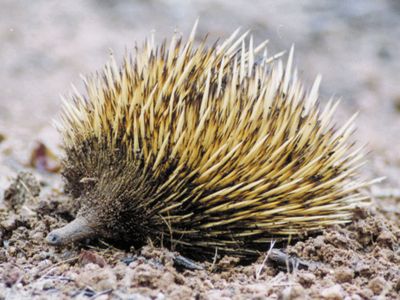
9, 223
333, 293
377, 285
87, 257
306, 278
160, 296
366, 293
344, 275
293, 292
319, 241
48, 284
37, 236
386, 238
355, 297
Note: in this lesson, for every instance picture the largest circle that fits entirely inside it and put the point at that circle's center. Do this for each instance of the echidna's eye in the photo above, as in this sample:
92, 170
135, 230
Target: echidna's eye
53, 239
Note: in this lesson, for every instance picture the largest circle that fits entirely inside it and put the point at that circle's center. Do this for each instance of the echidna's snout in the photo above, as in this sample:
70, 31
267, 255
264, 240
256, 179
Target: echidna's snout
74, 231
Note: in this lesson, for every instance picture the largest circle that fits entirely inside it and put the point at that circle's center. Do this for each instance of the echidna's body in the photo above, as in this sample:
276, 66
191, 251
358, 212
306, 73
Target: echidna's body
204, 148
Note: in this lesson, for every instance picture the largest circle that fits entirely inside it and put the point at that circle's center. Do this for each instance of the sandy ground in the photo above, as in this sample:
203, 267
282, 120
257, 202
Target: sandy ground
45, 45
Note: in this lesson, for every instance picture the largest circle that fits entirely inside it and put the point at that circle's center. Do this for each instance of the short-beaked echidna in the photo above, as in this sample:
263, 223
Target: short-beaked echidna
204, 148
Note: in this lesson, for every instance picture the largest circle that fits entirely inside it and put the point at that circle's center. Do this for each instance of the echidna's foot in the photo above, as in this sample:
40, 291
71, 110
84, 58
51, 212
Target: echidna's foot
74, 231
186, 263
286, 262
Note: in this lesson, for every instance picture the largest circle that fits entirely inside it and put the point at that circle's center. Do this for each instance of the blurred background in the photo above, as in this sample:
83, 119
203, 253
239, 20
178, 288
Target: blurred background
46, 45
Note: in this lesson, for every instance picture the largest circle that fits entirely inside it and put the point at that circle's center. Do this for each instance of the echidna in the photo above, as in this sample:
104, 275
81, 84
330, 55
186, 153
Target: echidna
204, 148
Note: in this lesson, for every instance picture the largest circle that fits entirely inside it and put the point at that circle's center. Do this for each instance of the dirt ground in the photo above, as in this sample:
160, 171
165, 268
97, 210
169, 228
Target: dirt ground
45, 45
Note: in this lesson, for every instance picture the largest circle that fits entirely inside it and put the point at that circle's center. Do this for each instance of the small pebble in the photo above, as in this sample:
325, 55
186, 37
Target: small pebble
355, 297
48, 285
377, 285
9, 223
12, 251
160, 296
45, 263
37, 236
366, 293
306, 278
344, 275
333, 293
319, 242
386, 238
293, 292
